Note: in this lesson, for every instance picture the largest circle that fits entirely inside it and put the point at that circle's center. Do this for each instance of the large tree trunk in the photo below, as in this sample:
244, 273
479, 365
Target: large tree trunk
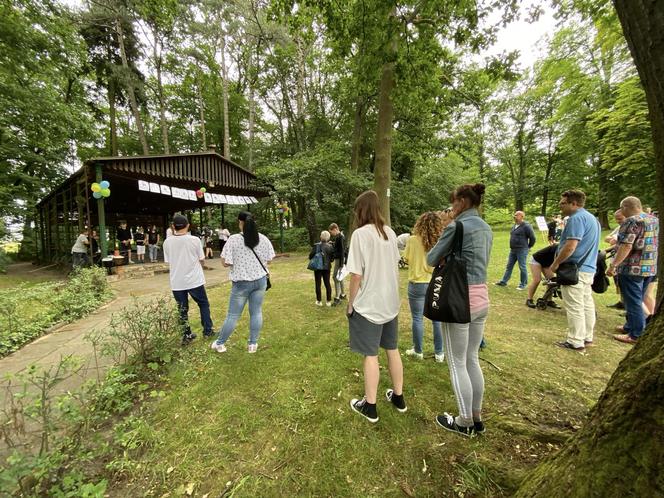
383, 164
358, 134
252, 118
620, 449
130, 88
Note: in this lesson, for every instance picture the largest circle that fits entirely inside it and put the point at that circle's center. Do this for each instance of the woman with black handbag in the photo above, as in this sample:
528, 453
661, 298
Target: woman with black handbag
247, 253
464, 243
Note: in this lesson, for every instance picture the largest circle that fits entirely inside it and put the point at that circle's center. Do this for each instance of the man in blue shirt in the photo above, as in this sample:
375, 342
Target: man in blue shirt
522, 238
579, 244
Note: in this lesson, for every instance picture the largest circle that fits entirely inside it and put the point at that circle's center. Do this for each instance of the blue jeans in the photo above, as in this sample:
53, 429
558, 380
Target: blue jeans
520, 255
416, 294
241, 292
198, 294
633, 290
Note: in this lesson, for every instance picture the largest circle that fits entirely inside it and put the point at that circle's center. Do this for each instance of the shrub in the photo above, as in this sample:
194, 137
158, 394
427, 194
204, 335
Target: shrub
27, 311
294, 239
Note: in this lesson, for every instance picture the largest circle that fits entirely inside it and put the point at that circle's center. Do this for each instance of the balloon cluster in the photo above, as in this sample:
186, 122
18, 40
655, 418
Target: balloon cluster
201, 192
101, 189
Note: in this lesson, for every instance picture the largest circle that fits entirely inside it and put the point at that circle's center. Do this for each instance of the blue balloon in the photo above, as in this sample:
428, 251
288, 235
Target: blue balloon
104, 184
96, 195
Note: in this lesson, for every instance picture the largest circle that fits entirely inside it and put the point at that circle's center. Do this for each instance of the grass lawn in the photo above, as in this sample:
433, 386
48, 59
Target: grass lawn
278, 423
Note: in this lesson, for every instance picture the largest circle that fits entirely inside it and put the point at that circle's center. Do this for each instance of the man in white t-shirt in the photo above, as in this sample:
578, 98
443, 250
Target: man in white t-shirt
184, 254
79, 251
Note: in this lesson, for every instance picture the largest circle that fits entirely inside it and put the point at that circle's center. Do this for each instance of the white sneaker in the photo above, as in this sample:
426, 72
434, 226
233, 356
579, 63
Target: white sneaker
318, 303
411, 352
329, 303
219, 348
439, 357
252, 348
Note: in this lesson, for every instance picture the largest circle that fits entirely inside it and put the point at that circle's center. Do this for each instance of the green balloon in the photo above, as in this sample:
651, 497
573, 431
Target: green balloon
105, 192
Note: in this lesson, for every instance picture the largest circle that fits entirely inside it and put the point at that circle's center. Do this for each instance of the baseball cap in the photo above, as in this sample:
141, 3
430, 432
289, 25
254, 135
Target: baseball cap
180, 221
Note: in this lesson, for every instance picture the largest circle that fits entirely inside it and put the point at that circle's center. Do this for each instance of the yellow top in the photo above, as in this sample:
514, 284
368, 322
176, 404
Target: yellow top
416, 256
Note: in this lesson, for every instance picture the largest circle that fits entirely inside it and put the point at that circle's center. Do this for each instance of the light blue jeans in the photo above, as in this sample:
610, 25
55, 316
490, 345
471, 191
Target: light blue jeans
241, 292
416, 295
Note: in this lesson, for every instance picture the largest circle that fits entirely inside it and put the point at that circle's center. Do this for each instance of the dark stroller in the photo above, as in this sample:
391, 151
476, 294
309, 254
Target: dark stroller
599, 285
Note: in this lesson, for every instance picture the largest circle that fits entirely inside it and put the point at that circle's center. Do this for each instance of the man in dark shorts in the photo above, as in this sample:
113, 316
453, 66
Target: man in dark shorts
124, 238
540, 260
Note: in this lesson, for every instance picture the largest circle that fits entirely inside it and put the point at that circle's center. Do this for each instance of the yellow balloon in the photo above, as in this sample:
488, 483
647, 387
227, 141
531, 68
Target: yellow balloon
95, 187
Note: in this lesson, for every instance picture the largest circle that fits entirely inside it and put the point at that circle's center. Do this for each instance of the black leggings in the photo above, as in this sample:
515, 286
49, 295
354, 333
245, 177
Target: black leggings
325, 275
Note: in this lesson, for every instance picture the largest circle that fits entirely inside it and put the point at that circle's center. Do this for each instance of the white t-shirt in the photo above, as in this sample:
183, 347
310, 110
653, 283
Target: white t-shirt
184, 254
377, 260
224, 234
244, 265
80, 245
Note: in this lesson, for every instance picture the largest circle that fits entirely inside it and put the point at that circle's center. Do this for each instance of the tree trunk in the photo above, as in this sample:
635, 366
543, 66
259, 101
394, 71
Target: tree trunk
201, 110
358, 134
620, 449
160, 93
130, 88
383, 164
224, 74
112, 118
252, 105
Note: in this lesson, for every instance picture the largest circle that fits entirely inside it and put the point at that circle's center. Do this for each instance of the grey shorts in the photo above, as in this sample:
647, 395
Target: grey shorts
366, 337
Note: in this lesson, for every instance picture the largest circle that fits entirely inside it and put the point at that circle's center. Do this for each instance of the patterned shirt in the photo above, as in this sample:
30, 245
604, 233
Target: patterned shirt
244, 265
640, 231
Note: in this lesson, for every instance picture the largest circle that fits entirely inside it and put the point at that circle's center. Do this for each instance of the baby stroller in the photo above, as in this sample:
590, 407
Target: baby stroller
547, 299
599, 285
401, 244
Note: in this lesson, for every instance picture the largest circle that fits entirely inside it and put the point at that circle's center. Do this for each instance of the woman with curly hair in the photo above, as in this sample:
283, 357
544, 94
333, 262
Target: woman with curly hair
426, 231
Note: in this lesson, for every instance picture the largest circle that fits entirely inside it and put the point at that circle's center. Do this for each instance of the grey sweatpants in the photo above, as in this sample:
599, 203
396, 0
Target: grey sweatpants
462, 343
338, 284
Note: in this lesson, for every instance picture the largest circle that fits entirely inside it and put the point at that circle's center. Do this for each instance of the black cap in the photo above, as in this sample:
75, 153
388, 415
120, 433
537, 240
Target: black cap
180, 221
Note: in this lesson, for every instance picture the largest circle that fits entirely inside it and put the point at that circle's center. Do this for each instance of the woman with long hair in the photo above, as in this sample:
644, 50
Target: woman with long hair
426, 231
247, 254
462, 340
373, 303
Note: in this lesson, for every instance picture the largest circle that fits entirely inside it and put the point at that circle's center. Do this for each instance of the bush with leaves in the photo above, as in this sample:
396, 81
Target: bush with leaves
27, 311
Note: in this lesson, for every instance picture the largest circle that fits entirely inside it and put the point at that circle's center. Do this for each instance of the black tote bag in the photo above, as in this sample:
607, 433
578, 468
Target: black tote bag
447, 297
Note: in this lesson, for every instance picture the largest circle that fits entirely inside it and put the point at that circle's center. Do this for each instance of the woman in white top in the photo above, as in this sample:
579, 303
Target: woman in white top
247, 254
373, 303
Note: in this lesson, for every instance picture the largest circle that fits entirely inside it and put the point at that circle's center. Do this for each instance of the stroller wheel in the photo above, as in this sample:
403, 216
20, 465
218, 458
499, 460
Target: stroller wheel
541, 304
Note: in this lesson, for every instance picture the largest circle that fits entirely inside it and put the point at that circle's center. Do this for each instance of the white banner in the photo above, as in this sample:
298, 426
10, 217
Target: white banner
190, 195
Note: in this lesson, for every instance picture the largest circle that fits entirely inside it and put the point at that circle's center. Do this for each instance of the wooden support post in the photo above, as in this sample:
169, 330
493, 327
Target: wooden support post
103, 242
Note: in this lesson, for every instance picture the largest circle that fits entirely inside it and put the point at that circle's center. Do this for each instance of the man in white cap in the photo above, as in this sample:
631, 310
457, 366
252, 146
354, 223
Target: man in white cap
184, 254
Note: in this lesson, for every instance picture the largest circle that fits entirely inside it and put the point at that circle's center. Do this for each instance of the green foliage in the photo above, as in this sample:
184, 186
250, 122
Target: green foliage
294, 238
144, 335
27, 311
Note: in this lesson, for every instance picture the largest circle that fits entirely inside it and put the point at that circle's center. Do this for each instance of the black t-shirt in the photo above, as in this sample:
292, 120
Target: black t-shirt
546, 256
552, 225
123, 234
139, 238
152, 237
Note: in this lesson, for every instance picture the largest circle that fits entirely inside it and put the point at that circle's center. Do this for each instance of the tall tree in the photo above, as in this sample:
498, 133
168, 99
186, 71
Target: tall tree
619, 450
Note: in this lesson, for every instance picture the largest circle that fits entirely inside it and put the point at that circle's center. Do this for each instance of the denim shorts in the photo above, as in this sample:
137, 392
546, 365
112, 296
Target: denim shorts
366, 337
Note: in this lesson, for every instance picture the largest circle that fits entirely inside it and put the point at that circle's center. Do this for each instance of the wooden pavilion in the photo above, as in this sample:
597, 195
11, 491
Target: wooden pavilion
145, 190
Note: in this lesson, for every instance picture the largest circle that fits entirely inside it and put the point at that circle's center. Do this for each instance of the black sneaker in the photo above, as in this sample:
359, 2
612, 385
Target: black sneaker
362, 407
187, 338
446, 421
336, 301
479, 428
501, 284
342, 296
399, 404
617, 306
208, 333
530, 303
553, 304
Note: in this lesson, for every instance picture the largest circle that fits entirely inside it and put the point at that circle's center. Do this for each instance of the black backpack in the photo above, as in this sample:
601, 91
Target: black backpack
601, 281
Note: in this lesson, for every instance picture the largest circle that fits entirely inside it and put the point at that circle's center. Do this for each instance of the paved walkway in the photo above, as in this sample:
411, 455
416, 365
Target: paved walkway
70, 339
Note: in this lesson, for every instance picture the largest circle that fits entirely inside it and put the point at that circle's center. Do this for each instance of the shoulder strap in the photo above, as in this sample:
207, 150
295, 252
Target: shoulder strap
457, 243
259, 259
